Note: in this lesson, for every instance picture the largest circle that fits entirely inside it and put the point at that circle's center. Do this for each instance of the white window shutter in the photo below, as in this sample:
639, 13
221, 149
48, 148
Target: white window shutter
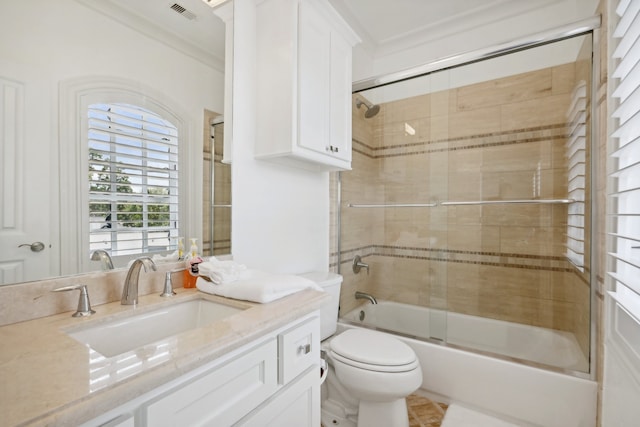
133, 180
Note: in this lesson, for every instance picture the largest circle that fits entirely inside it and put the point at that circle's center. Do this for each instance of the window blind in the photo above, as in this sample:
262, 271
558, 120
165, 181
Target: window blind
576, 155
625, 161
133, 180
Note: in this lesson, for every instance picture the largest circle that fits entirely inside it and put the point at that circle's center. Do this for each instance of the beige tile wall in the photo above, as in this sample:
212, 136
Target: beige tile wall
494, 140
221, 197
207, 164
221, 244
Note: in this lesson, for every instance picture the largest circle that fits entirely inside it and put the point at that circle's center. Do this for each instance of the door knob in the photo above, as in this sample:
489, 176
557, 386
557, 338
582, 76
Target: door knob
35, 246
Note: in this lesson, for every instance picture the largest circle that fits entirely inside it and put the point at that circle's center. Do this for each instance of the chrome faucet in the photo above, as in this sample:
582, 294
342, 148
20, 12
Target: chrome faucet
130, 290
101, 255
363, 295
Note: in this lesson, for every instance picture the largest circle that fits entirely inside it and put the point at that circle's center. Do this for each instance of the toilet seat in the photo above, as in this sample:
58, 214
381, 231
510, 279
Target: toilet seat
372, 351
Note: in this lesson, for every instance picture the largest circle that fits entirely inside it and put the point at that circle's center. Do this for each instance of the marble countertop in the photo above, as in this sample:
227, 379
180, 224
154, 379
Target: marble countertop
49, 378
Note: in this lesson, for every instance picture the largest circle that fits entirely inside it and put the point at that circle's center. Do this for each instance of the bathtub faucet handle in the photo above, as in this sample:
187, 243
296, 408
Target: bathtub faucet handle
358, 264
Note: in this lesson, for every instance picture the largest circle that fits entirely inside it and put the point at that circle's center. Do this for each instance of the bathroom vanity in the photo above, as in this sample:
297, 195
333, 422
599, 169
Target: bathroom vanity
258, 366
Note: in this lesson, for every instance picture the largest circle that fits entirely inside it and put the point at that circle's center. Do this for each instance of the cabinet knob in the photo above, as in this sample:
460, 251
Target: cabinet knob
331, 148
304, 349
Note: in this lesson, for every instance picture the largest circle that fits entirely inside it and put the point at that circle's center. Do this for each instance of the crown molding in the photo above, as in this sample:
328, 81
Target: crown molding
155, 32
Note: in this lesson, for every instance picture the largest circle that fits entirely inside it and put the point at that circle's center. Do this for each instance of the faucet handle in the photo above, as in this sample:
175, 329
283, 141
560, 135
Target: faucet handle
358, 264
168, 285
84, 306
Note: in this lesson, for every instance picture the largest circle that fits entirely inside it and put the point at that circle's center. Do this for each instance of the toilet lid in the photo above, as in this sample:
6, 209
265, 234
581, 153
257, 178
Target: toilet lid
372, 348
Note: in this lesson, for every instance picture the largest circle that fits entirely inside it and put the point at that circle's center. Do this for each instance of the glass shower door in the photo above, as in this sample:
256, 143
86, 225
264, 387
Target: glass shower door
474, 183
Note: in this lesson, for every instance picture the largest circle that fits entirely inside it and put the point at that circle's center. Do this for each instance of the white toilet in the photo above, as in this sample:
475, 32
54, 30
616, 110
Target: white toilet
370, 373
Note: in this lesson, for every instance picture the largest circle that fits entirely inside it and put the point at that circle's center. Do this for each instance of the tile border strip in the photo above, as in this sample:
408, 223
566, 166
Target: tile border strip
496, 139
494, 259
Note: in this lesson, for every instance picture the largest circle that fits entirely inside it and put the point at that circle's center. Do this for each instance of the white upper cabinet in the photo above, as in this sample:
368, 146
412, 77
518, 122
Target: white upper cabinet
303, 60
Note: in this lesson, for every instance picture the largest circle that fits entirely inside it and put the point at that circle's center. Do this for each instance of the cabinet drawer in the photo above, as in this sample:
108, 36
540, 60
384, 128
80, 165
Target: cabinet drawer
298, 348
222, 396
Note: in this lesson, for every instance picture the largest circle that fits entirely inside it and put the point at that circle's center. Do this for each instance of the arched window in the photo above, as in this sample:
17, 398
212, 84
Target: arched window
124, 167
132, 179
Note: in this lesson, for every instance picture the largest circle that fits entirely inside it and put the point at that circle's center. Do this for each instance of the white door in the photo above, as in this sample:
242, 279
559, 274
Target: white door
27, 187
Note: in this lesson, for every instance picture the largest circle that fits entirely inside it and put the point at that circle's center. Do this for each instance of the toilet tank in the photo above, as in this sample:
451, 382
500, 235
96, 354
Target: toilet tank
330, 283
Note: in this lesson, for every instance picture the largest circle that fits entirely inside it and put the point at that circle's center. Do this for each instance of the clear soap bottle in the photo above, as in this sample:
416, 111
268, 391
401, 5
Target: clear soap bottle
180, 248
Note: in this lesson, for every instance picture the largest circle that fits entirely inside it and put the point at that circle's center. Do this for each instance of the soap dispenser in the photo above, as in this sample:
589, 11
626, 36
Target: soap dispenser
180, 248
191, 266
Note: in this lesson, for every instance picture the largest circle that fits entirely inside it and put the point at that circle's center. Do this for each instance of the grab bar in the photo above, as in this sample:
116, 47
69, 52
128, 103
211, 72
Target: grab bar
469, 203
395, 205
508, 202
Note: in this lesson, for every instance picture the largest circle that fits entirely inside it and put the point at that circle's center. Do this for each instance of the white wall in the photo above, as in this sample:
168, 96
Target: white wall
621, 383
65, 39
280, 216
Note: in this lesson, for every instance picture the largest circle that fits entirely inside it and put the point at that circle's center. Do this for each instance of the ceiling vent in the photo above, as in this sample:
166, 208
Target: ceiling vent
183, 11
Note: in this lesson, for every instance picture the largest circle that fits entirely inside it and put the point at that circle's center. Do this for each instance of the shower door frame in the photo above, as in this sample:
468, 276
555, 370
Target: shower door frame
582, 27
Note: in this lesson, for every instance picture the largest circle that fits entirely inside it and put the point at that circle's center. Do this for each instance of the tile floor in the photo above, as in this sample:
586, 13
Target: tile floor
424, 412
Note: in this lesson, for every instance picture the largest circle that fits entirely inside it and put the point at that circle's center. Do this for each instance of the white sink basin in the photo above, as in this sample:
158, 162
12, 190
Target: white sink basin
122, 335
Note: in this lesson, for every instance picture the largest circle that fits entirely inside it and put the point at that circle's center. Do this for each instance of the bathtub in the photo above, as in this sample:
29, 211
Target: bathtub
526, 395
551, 347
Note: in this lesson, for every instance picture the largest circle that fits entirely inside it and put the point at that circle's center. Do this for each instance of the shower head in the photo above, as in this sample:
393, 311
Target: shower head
372, 109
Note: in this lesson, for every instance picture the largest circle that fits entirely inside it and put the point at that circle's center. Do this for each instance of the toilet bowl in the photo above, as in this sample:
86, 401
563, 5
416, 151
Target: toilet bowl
370, 373
379, 371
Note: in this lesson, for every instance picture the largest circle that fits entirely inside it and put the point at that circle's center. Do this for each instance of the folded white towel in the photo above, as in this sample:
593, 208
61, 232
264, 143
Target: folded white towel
167, 258
261, 287
222, 272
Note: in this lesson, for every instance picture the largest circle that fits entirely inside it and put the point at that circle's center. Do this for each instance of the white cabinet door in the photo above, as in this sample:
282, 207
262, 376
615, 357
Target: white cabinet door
221, 397
314, 58
340, 98
304, 84
324, 87
297, 405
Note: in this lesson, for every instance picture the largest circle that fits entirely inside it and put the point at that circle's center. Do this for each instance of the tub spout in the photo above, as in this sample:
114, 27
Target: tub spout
363, 295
